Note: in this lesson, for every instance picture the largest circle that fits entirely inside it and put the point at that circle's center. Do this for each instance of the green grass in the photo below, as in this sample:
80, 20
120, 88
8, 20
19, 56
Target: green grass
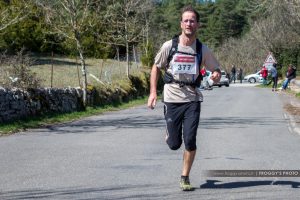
51, 119
67, 71
269, 85
297, 95
294, 93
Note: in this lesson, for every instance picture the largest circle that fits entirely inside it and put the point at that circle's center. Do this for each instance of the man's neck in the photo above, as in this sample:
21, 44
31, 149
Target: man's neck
185, 40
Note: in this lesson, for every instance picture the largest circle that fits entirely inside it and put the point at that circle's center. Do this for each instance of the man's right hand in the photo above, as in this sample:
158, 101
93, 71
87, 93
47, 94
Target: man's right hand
152, 100
153, 84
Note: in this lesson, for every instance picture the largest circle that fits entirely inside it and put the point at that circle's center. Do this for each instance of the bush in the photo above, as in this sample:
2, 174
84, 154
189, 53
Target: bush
286, 57
18, 72
148, 55
121, 91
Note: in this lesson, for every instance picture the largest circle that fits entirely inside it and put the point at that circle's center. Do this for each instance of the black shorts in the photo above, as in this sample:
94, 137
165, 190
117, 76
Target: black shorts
182, 123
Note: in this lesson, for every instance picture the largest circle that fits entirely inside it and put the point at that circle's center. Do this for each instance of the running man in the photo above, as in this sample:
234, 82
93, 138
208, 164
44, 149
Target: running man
182, 101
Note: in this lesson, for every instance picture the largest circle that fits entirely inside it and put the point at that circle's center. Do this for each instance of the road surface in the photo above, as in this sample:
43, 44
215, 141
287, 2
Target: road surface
122, 155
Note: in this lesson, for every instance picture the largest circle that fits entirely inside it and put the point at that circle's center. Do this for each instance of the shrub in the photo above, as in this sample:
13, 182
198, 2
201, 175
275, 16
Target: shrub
121, 91
18, 72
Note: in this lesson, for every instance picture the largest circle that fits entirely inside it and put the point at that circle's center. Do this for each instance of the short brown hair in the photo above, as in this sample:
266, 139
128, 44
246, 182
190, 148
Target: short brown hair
189, 8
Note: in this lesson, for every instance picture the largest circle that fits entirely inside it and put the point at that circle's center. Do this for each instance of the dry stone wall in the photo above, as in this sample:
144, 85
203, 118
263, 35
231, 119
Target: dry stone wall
17, 104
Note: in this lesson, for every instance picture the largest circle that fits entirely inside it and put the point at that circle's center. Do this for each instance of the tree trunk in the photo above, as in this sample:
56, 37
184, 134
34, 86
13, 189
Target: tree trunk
118, 54
134, 54
127, 51
126, 42
127, 58
147, 42
83, 68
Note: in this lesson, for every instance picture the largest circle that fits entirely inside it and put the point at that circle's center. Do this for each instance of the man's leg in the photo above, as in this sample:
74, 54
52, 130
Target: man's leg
173, 117
188, 159
191, 121
265, 81
285, 83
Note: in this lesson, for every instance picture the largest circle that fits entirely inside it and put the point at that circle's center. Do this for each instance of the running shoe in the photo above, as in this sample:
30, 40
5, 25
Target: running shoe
185, 184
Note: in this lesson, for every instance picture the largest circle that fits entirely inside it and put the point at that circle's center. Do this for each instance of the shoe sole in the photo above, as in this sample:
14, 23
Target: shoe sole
186, 188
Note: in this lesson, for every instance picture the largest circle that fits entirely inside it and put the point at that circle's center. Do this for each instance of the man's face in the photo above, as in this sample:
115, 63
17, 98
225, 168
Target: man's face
189, 24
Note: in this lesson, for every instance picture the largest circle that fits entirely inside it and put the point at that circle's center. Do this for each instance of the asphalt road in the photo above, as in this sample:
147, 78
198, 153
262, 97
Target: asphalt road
122, 155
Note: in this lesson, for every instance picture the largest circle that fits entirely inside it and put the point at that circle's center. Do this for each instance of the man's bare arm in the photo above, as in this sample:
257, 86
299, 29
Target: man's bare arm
153, 86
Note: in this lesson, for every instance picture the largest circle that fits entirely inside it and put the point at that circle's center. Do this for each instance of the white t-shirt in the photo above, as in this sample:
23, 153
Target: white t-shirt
173, 92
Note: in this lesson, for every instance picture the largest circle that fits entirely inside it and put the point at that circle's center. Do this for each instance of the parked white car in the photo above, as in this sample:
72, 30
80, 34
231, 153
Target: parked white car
253, 78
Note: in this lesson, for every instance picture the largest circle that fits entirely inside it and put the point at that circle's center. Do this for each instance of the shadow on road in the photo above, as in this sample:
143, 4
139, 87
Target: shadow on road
238, 122
213, 184
95, 125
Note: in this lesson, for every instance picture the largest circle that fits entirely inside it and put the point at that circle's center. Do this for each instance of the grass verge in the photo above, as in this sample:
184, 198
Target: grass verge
50, 119
279, 85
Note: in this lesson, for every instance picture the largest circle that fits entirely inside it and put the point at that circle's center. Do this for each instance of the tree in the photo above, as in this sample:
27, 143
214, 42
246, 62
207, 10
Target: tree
27, 35
147, 44
293, 7
71, 19
12, 12
125, 21
273, 28
223, 23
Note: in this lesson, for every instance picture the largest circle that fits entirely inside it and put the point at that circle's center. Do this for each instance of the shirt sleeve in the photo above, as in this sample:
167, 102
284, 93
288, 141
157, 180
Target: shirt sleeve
209, 60
161, 57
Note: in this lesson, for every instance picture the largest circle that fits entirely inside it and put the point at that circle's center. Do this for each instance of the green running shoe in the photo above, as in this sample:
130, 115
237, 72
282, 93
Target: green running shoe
185, 184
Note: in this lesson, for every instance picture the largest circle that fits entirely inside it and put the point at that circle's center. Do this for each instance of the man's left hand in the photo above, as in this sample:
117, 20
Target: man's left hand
216, 76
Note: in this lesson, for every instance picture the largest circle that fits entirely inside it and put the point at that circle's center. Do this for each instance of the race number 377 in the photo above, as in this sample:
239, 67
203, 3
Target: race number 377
184, 64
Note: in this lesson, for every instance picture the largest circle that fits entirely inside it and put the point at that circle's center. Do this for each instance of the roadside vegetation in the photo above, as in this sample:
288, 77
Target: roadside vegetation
240, 32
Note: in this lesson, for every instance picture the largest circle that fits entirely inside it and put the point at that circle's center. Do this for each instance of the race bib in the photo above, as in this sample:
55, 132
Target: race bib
184, 64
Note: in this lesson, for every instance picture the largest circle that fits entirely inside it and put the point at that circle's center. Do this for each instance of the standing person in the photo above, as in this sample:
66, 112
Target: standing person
182, 101
233, 74
203, 71
274, 76
264, 74
241, 75
290, 74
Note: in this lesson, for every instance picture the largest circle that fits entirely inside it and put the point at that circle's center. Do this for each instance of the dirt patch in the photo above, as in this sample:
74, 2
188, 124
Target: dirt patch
293, 110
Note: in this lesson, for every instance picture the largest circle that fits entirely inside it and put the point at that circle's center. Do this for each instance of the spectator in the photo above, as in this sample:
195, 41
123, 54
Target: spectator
274, 76
264, 74
241, 75
203, 71
233, 74
290, 74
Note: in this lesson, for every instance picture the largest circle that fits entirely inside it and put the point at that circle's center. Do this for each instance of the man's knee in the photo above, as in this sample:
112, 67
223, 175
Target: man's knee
190, 145
174, 146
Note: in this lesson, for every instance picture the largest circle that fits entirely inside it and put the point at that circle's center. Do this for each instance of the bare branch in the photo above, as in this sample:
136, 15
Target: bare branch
13, 13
